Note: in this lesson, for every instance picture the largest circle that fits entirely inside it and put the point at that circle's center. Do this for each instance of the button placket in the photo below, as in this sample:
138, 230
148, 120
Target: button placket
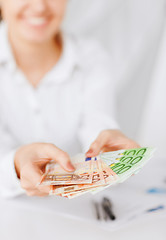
36, 113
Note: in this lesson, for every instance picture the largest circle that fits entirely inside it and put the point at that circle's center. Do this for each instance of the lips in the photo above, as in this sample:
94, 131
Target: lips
37, 21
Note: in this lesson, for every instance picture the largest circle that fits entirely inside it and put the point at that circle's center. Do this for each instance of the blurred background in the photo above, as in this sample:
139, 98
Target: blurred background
133, 33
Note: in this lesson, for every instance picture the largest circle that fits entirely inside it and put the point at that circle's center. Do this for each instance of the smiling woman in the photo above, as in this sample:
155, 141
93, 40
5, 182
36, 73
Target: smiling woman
56, 95
34, 30
35, 21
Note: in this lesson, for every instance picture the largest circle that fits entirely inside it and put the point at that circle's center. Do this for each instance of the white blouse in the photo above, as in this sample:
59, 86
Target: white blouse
71, 105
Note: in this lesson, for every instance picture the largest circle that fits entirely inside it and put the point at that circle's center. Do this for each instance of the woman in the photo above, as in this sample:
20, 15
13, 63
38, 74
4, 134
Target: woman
55, 96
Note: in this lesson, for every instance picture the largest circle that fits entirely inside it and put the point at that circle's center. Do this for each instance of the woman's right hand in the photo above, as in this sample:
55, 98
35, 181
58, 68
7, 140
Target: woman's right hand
30, 161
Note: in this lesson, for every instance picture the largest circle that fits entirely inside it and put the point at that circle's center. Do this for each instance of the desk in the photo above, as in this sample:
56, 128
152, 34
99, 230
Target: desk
28, 224
33, 218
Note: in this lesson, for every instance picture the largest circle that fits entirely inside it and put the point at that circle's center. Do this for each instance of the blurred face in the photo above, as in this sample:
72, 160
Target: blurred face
33, 20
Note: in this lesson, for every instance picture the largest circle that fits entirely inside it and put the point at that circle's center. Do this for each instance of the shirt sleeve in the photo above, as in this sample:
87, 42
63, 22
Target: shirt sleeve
9, 183
99, 86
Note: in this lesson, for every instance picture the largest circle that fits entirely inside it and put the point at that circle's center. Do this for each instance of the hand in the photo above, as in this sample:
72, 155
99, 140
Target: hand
110, 140
30, 161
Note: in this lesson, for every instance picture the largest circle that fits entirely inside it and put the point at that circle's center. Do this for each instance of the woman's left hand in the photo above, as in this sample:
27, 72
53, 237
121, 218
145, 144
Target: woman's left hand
110, 140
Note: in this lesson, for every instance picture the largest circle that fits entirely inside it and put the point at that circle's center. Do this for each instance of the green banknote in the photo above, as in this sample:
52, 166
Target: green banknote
126, 163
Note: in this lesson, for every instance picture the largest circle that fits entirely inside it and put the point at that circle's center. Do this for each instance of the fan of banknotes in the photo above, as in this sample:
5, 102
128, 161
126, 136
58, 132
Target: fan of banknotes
96, 173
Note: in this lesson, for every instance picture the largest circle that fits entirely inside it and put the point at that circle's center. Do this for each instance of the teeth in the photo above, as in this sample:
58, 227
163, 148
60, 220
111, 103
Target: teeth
37, 21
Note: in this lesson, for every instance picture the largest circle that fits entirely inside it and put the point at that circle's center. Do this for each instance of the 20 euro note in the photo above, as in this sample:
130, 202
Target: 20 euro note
55, 175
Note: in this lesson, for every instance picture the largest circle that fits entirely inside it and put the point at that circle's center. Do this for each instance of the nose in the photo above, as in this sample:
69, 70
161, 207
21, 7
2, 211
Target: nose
39, 6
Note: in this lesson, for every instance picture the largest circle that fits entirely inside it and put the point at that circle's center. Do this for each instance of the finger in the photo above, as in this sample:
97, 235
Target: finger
124, 144
105, 142
37, 190
32, 193
94, 149
60, 156
97, 146
44, 189
30, 176
120, 146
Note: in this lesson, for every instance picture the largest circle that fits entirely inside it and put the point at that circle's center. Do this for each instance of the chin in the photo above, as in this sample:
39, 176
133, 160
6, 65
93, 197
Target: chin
36, 37
35, 40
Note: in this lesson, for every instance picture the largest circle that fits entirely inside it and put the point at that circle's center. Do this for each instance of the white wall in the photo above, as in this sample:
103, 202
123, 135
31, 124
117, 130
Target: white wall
131, 30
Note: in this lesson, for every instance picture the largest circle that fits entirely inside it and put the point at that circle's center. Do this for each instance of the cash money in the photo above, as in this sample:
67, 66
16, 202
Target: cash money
97, 180
55, 175
96, 173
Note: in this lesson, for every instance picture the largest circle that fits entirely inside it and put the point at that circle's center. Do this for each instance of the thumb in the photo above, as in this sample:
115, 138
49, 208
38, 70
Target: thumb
60, 156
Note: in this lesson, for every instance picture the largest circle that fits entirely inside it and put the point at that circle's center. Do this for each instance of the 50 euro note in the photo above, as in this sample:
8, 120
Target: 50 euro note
55, 175
97, 179
69, 195
108, 175
102, 175
110, 178
76, 194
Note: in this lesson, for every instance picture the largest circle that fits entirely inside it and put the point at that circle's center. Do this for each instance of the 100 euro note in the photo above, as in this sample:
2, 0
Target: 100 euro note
126, 163
55, 175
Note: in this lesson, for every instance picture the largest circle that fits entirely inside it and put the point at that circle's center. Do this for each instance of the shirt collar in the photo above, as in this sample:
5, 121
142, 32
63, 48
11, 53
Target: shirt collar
6, 56
59, 73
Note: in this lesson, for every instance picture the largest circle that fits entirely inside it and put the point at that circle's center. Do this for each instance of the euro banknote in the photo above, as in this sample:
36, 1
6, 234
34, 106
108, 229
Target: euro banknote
55, 175
96, 173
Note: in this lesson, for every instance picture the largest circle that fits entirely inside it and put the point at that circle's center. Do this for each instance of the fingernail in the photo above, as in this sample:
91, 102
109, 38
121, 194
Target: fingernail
70, 167
89, 151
